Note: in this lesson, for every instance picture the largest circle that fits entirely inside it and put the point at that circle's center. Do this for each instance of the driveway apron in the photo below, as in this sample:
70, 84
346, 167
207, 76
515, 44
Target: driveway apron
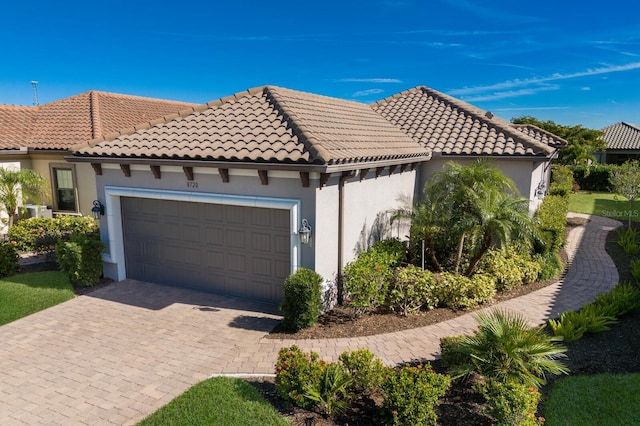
118, 354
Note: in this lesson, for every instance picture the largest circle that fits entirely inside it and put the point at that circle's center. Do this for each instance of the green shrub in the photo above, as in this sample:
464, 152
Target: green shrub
8, 259
80, 258
412, 290
296, 371
511, 404
367, 371
332, 393
551, 217
395, 249
561, 181
366, 279
549, 265
302, 299
41, 234
620, 300
411, 395
628, 240
506, 266
635, 270
594, 177
451, 352
459, 292
507, 349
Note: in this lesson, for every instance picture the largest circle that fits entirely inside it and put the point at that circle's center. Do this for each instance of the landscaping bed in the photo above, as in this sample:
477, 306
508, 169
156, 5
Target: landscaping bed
613, 351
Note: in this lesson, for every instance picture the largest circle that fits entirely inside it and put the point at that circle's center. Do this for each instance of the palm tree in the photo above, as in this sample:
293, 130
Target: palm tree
477, 205
17, 184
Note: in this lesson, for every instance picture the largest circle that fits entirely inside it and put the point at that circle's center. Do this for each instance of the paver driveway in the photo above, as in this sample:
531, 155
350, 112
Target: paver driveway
115, 356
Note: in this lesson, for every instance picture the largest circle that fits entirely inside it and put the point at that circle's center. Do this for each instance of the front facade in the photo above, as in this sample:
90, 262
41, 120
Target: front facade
219, 202
40, 137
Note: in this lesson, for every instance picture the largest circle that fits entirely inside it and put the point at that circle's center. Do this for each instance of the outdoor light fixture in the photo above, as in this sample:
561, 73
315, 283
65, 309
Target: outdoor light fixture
305, 232
97, 210
540, 190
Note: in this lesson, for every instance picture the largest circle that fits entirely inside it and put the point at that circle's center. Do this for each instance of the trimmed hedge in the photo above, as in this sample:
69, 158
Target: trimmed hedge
302, 298
561, 181
552, 219
593, 178
80, 258
8, 259
38, 234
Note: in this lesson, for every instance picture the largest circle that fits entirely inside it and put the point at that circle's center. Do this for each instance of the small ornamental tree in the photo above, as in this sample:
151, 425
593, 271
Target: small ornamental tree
625, 181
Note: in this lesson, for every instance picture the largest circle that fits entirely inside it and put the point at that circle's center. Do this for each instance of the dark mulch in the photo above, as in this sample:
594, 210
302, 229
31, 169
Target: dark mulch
614, 351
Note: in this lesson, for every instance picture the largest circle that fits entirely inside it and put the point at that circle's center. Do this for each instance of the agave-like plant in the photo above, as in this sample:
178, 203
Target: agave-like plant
507, 349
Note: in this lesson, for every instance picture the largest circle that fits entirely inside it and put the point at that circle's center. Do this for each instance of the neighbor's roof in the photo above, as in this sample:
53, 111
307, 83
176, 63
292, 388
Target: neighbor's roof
265, 124
450, 126
70, 121
622, 136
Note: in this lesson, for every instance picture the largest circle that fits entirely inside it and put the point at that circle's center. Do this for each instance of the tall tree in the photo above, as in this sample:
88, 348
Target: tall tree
17, 184
625, 180
583, 143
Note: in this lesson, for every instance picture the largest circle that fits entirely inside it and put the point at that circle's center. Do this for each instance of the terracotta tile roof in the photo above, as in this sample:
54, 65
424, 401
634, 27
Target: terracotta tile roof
622, 136
450, 126
70, 121
265, 124
541, 135
15, 123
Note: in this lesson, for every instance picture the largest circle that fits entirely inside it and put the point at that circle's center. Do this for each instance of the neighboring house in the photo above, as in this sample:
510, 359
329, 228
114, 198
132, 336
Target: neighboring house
217, 196
457, 131
39, 137
623, 143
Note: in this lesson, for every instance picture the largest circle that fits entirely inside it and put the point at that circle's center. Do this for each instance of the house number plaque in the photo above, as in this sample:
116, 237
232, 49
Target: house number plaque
192, 184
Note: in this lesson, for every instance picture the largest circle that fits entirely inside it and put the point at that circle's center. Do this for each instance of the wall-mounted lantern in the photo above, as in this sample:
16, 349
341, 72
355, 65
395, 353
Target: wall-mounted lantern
97, 210
541, 189
305, 232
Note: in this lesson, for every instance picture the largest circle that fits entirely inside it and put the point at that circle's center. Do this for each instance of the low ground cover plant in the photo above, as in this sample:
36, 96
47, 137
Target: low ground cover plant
597, 316
628, 240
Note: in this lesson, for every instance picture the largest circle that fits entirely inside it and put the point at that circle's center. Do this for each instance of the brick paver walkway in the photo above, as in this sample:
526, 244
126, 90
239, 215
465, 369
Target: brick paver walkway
115, 356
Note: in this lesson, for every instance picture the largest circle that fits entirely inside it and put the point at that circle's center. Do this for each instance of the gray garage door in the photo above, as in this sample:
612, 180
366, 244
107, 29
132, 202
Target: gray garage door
243, 251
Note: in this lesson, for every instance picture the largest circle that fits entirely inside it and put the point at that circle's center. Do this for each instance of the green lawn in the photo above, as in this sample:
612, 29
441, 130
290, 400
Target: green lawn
602, 400
217, 401
603, 204
25, 294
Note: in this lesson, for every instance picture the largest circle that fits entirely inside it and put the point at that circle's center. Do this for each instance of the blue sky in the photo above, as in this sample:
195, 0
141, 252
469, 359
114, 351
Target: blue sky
568, 61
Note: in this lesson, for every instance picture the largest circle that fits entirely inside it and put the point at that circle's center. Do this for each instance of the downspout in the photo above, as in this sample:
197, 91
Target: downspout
343, 178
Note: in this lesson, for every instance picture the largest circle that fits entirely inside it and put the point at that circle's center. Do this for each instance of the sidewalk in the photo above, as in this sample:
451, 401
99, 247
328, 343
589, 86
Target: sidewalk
590, 271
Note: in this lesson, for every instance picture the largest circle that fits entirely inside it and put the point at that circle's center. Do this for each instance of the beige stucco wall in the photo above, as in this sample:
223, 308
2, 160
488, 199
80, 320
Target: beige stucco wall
526, 173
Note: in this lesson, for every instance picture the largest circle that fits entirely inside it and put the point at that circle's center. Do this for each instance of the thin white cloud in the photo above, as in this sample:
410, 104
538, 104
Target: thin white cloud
509, 94
362, 93
585, 88
511, 84
369, 80
531, 108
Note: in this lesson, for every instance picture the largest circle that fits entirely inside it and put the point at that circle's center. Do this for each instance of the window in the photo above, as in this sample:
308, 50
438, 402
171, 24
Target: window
63, 180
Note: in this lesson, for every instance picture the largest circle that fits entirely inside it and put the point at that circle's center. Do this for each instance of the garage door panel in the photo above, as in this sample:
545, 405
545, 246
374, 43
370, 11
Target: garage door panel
239, 250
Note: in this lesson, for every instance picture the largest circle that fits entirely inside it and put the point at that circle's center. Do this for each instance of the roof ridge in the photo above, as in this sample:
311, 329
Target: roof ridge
146, 98
94, 110
299, 129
